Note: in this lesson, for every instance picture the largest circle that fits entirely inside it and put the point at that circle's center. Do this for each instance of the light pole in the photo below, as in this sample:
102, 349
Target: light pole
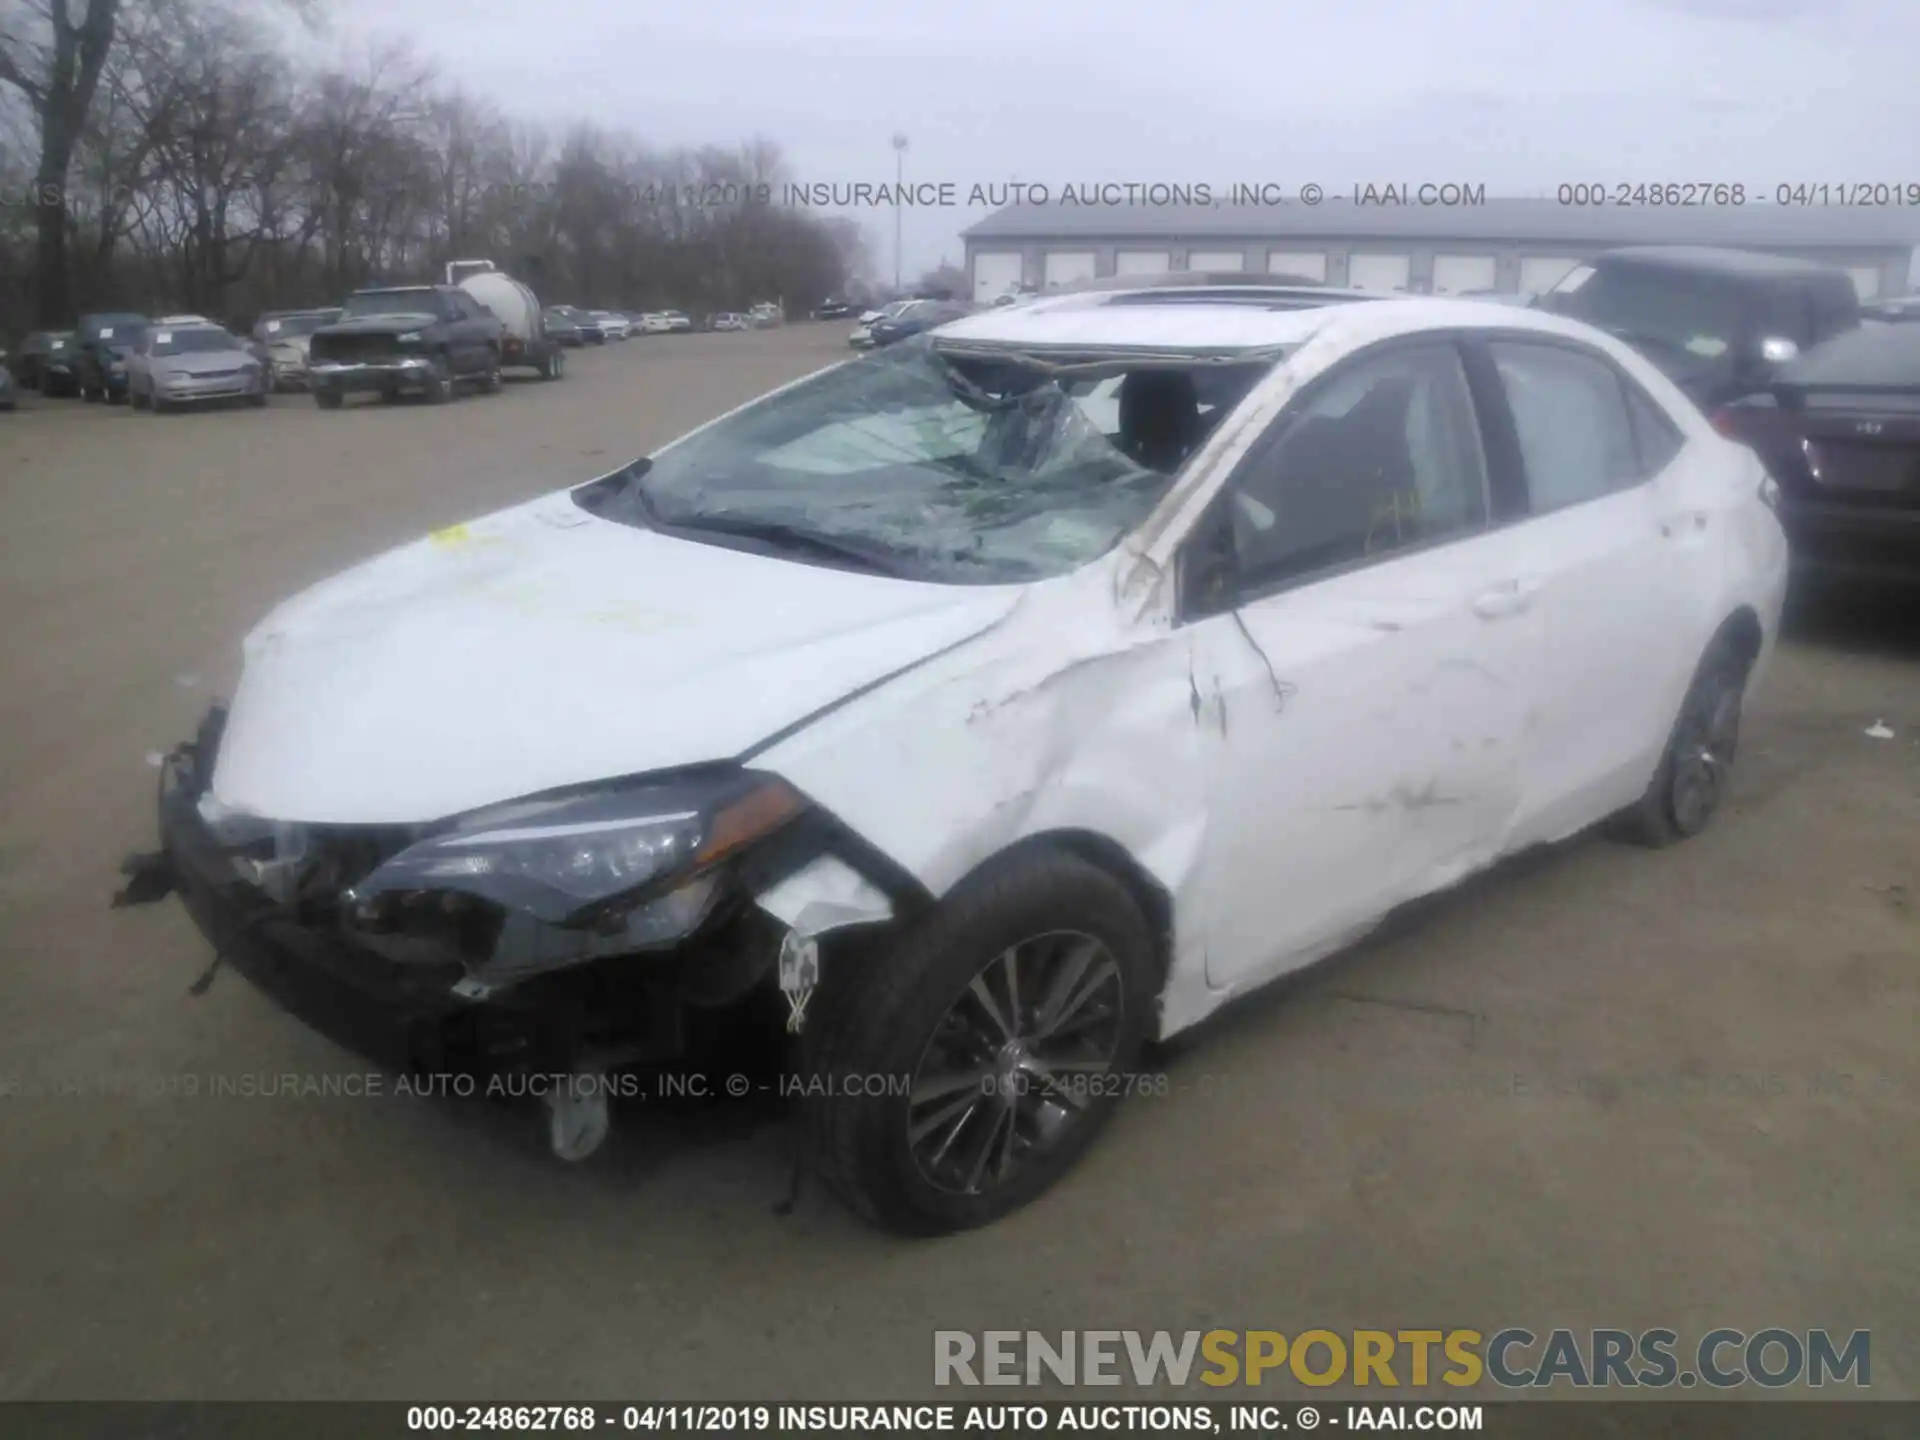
899, 179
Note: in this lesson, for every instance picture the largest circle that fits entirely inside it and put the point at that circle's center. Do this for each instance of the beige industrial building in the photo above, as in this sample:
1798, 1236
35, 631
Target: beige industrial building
1503, 246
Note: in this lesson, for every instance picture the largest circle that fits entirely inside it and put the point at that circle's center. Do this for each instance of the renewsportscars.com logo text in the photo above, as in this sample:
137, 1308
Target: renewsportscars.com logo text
1512, 1358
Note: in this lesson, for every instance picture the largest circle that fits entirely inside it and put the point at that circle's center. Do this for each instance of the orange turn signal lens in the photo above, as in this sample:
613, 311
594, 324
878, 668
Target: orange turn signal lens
759, 812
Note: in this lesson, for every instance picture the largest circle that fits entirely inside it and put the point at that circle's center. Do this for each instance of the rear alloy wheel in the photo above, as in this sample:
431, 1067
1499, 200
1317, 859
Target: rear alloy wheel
1688, 788
491, 383
977, 1061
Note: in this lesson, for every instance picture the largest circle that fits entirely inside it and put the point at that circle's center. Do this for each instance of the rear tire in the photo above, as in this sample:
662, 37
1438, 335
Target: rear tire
1040, 964
1688, 787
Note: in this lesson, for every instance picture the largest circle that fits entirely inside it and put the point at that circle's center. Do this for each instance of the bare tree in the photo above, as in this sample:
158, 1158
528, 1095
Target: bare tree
55, 61
213, 173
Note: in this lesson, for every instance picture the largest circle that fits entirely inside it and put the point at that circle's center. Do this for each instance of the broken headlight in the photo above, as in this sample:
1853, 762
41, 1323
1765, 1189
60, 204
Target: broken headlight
636, 853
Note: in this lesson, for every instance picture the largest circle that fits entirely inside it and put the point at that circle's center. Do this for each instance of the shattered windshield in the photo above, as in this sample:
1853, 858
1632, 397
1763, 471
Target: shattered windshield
984, 468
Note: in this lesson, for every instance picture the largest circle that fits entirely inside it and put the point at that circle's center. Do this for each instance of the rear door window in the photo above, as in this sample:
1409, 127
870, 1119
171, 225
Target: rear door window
1570, 413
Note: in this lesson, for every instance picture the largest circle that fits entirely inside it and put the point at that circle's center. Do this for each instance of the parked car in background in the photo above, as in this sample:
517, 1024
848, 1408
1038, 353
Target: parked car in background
1839, 430
917, 317
615, 325
396, 340
176, 365
591, 331
104, 342
1717, 321
862, 336
765, 315
833, 309
285, 335
561, 328
997, 742
44, 362
676, 321
1894, 310
728, 320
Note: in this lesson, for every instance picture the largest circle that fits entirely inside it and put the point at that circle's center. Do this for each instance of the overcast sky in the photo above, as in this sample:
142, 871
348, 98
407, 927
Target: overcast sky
1520, 95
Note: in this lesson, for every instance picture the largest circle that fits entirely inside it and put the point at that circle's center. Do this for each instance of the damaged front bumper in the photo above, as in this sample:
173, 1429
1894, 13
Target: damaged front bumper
421, 1012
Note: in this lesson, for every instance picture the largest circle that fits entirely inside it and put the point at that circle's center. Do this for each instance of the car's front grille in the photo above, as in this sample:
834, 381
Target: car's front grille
350, 348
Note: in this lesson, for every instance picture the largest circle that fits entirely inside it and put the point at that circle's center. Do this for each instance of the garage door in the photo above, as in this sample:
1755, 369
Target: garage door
1379, 272
1307, 264
1063, 267
1540, 273
995, 272
1866, 281
1456, 274
1142, 262
1207, 261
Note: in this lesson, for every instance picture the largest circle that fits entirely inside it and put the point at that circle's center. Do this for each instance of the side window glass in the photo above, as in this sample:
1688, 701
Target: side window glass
1570, 410
1655, 437
1383, 458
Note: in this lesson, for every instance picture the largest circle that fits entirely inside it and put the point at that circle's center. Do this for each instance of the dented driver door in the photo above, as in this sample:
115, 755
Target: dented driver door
1362, 641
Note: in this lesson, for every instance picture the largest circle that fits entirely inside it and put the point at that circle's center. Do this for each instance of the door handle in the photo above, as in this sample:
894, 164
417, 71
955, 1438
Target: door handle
1509, 597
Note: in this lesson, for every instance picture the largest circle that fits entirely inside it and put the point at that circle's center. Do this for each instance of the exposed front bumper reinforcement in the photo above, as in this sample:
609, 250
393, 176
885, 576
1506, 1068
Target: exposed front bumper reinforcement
407, 1018
557, 1035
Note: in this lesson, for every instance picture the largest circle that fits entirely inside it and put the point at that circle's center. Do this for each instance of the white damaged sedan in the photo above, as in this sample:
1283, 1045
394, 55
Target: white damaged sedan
982, 709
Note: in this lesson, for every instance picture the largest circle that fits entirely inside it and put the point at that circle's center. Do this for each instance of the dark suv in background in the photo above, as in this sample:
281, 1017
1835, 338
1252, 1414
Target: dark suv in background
102, 344
1719, 322
405, 339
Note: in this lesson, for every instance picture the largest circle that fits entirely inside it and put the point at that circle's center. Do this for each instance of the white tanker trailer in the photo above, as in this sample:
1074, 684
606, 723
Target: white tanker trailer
525, 343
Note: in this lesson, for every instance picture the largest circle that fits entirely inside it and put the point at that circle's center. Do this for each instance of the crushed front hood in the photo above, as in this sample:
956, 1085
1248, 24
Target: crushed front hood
543, 647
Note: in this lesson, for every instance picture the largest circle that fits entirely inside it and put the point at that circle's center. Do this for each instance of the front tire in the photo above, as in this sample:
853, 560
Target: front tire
439, 385
1004, 1025
1687, 790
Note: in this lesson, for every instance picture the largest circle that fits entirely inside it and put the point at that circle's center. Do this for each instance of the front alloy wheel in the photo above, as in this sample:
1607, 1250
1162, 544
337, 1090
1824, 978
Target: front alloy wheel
1015, 1061
961, 1071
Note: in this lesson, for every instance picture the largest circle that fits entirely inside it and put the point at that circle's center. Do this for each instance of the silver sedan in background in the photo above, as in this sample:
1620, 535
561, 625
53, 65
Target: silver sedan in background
193, 363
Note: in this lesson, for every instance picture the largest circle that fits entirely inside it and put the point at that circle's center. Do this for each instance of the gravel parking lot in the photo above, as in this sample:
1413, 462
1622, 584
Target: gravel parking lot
1603, 1087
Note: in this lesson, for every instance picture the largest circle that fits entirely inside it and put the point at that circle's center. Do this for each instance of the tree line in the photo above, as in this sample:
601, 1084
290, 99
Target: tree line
162, 155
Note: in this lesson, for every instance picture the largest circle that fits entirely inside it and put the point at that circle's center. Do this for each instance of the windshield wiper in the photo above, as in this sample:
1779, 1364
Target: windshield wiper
624, 482
796, 538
